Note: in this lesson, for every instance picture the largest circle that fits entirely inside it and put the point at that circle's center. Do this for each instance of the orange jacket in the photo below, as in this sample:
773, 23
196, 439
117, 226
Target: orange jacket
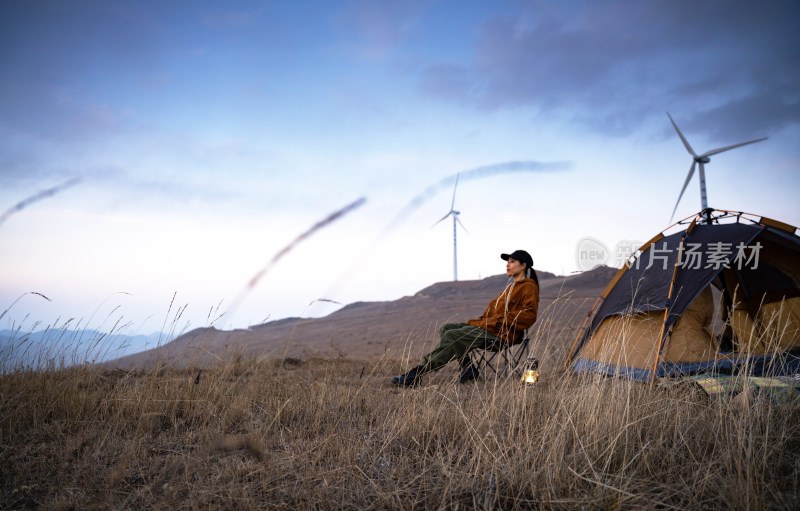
513, 311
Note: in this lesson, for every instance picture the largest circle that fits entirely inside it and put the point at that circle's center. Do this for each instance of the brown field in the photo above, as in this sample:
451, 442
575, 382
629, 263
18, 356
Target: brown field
333, 434
318, 434
255, 431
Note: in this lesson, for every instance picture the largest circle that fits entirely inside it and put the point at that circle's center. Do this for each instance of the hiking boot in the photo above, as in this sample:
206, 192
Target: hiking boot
468, 372
410, 378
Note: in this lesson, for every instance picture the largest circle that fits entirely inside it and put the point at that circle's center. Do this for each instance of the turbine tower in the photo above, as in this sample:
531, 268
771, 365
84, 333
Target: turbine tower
456, 220
702, 160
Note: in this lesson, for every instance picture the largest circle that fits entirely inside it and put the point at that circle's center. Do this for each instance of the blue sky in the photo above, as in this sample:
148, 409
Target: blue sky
208, 135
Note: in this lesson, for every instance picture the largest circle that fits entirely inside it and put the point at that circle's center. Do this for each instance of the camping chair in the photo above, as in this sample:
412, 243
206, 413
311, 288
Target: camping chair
500, 357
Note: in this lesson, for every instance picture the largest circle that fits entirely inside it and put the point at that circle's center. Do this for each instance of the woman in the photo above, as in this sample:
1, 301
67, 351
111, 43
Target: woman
505, 320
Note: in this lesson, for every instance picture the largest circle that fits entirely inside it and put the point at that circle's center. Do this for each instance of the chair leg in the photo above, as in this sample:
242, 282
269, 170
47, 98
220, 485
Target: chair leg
507, 363
478, 358
511, 360
490, 363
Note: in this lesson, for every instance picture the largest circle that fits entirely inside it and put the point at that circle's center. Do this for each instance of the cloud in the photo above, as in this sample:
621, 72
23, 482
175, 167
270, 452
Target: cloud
612, 66
754, 115
381, 25
449, 81
67, 66
59, 115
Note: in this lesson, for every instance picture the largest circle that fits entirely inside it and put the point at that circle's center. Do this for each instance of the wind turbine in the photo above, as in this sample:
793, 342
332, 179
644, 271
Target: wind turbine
702, 160
454, 214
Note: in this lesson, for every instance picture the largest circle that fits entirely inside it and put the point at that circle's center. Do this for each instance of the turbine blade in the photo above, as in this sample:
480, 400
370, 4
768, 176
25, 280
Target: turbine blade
685, 142
685, 184
453, 204
443, 218
734, 146
462, 225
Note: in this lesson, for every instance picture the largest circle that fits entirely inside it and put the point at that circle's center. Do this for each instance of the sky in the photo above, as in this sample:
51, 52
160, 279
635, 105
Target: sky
172, 150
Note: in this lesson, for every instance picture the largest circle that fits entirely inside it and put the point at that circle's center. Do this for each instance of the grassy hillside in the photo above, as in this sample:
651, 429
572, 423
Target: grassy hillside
375, 329
253, 431
333, 434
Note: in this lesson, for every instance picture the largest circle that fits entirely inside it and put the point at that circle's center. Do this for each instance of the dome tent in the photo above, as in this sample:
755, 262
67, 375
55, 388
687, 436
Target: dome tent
654, 317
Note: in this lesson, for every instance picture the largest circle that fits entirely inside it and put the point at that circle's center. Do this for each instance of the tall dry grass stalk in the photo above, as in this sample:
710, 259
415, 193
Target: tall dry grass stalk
333, 434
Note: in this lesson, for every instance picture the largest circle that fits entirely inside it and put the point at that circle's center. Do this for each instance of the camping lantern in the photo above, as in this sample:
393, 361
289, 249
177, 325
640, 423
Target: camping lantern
530, 371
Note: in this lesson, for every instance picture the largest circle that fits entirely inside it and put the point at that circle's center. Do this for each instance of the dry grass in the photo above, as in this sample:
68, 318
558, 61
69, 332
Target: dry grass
333, 434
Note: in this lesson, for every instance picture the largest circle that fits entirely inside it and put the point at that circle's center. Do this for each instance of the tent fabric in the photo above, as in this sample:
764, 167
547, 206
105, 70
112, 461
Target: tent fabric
788, 363
763, 280
691, 340
744, 330
780, 250
645, 285
637, 314
780, 322
631, 340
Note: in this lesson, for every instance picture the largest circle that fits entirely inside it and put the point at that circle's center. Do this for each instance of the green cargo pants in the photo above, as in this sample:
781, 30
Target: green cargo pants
455, 341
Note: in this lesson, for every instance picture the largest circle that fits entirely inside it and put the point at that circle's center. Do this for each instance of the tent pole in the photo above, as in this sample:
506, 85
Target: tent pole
661, 335
669, 302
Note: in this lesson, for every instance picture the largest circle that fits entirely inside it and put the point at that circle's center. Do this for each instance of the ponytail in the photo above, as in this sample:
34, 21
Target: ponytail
531, 274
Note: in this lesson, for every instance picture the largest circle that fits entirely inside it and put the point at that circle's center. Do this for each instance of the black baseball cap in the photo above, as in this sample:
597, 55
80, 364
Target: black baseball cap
519, 255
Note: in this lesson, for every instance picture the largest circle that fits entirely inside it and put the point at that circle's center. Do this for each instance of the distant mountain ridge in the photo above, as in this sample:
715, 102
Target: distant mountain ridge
70, 347
398, 328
